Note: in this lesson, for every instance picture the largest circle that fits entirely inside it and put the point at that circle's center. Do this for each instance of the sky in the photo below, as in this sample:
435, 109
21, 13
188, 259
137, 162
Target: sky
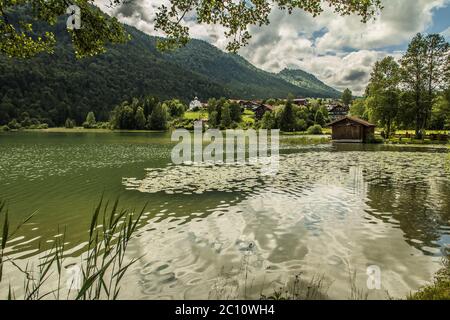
340, 51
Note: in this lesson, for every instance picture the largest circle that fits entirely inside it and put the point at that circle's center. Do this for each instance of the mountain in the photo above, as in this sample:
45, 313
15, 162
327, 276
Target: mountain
240, 77
56, 87
309, 82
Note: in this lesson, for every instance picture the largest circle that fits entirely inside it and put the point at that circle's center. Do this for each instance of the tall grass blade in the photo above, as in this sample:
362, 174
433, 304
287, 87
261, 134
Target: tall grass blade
5, 231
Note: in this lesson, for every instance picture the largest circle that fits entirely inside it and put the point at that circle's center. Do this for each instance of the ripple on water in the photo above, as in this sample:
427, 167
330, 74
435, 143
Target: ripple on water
60, 159
324, 212
342, 213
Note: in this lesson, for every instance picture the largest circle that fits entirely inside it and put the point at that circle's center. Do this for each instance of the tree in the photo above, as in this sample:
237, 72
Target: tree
175, 108
149, 103
7, 109
98, 29
359, 109
126, 117
214, 120
90, 121
158, 119
437, 57
70, 124
287, 117
139, 119
226, 117
123, 117
440, 115
236, 112
347, 97
268, 121
423, 71
383, 89
406, 115
320, 118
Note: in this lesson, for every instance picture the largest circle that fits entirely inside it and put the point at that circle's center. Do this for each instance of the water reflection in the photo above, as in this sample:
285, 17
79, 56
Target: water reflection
329, 211
420, 210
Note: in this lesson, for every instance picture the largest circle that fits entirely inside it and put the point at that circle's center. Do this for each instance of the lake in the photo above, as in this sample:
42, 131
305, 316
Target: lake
332, 211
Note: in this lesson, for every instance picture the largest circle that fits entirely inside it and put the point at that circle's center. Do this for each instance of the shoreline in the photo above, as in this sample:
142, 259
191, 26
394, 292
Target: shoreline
83, 130
285, 135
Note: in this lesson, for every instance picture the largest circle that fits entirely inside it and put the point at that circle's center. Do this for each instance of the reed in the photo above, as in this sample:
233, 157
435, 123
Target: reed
102, 266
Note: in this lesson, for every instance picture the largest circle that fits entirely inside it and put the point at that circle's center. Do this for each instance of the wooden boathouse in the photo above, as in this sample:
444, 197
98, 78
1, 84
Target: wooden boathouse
352, 130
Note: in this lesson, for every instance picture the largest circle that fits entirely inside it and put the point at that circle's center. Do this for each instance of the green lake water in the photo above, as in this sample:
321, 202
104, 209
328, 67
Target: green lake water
331, 211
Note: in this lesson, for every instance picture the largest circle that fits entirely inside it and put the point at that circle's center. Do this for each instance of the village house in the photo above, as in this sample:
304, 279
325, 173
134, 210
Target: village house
262, 109
247, 104
300, 102
239, 102
338, 111
195, 104
352, 130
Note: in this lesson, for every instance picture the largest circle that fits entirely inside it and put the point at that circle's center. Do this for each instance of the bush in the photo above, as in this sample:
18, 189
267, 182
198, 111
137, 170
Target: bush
14, 125
38, 126
90, 122
26, 122
301, 125
87, 125
103, 125
70, 124
47, 121
374, 140
439, 289
316, 129
187, 124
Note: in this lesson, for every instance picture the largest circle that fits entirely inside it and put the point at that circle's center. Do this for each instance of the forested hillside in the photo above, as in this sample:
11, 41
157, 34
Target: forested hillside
309, 83
55, 87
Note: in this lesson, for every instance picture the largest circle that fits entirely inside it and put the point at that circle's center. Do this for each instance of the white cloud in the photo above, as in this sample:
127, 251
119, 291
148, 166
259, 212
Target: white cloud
397, 23
338, 50
446, 33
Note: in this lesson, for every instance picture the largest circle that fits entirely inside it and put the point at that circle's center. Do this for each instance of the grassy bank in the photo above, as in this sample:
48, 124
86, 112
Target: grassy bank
427, 132
83, 130
412, 141
305, 139
195, 115
439, 289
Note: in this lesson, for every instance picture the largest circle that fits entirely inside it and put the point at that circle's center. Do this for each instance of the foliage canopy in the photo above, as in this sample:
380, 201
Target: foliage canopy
97, 29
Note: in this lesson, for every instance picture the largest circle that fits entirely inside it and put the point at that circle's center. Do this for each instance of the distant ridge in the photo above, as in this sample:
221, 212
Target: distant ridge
309, 82
60, 86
